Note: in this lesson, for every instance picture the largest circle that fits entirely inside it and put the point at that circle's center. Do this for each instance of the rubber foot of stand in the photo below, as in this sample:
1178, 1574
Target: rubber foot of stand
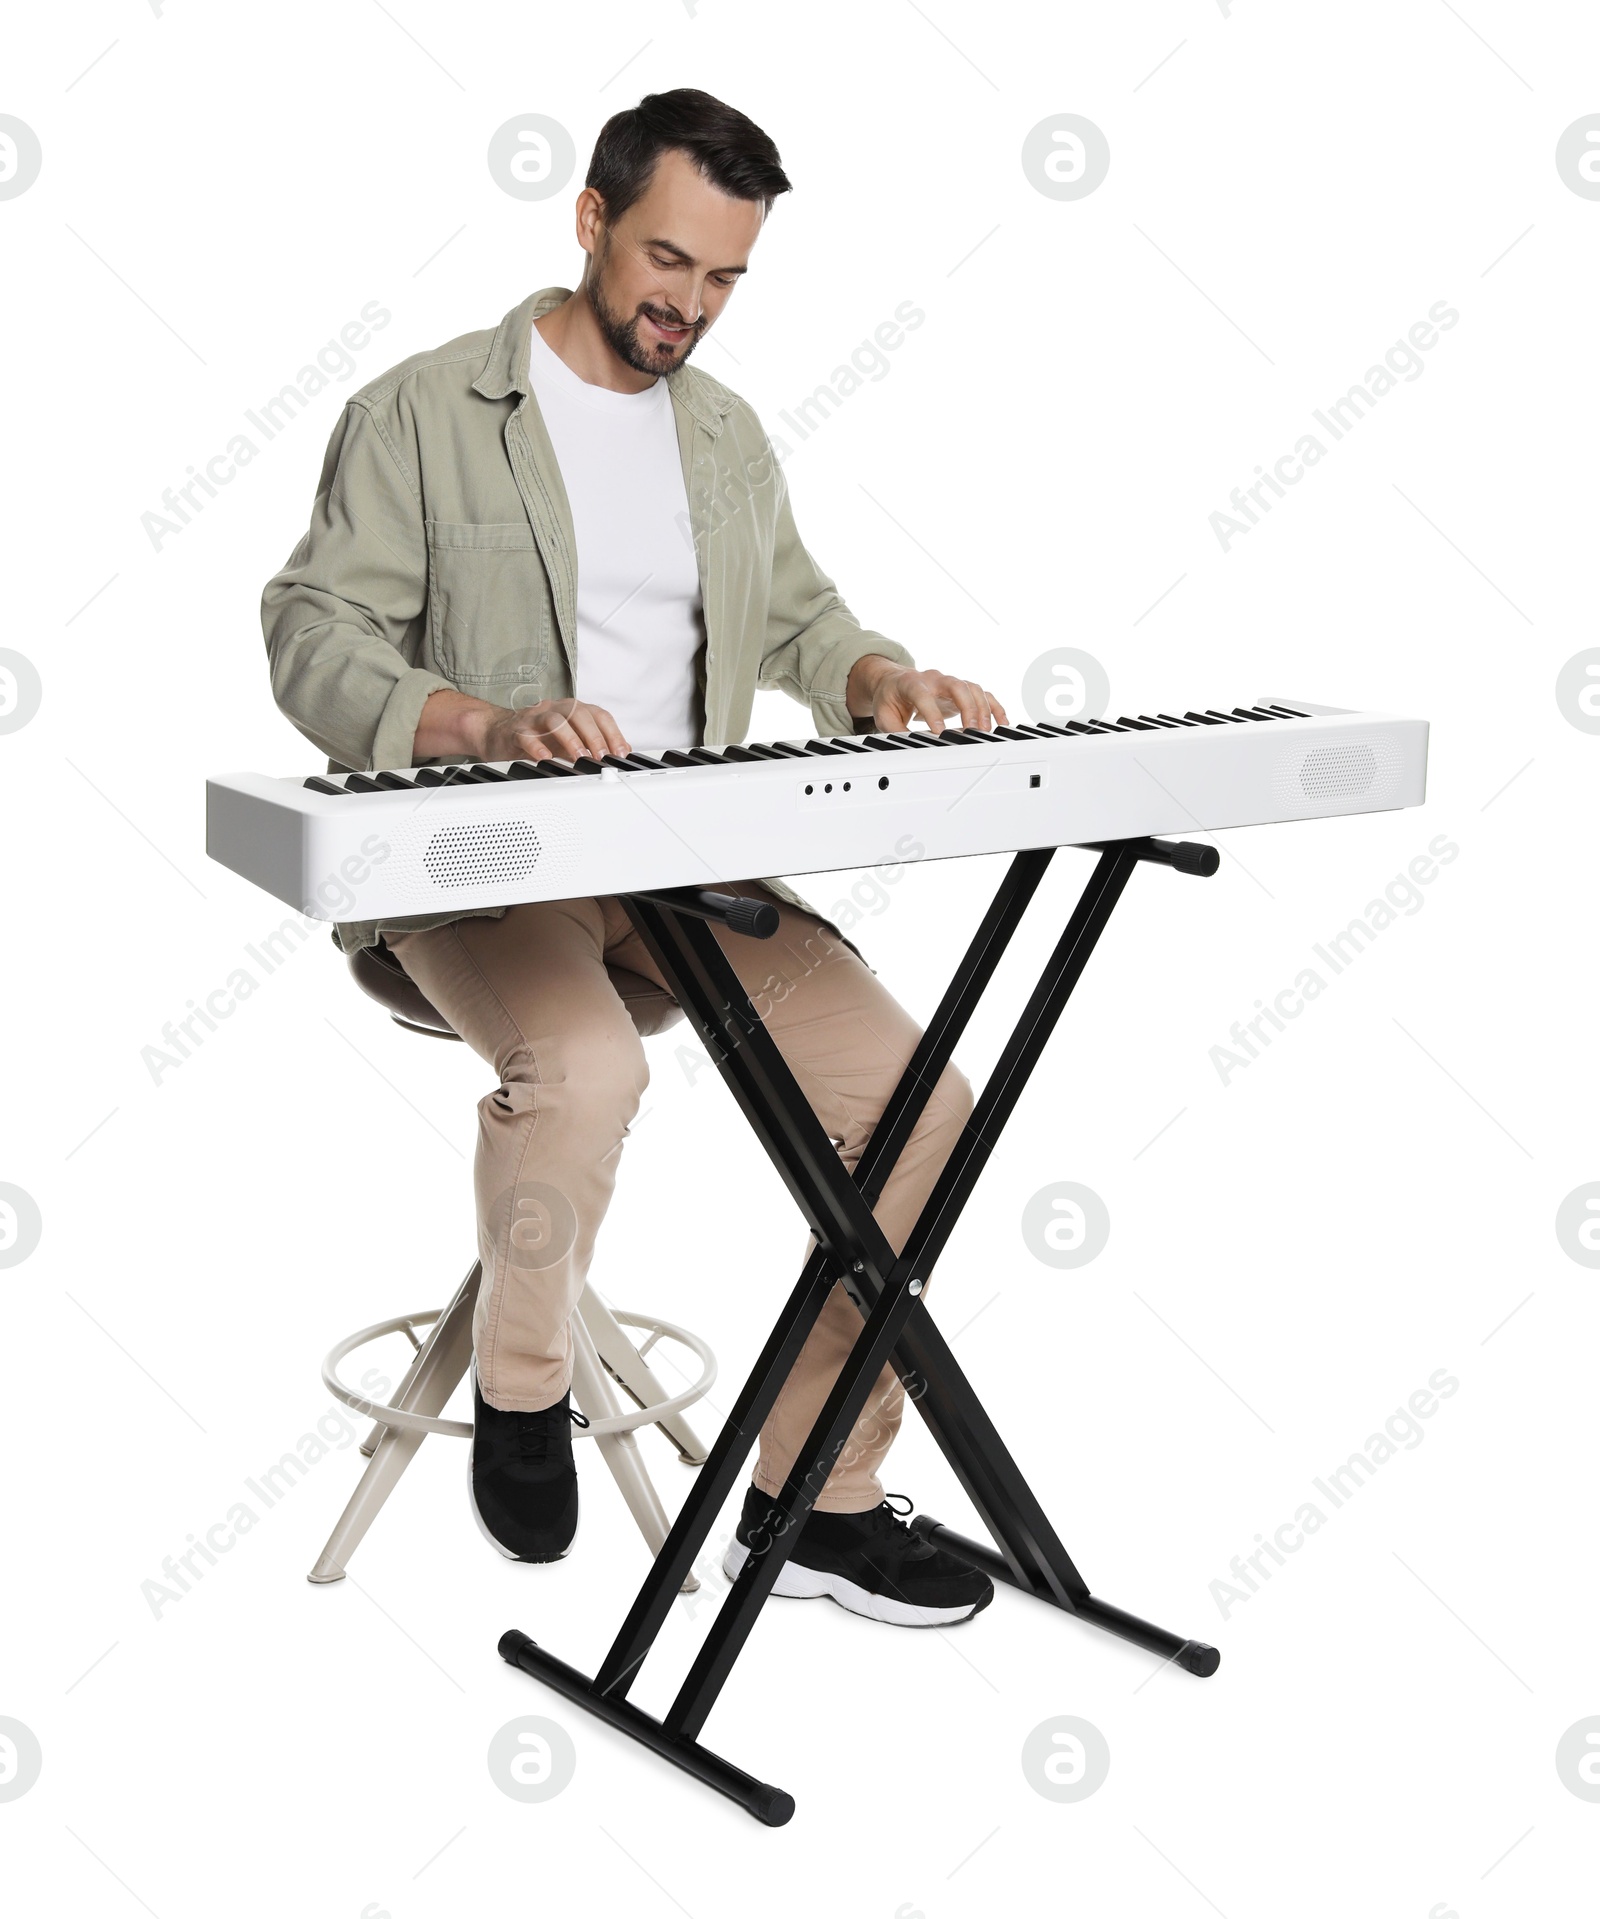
1200, 1659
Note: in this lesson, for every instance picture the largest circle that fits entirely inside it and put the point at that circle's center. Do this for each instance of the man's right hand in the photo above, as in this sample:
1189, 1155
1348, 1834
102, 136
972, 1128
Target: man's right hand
453, 725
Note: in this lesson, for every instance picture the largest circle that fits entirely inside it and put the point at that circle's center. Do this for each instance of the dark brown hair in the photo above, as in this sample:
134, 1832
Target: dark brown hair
730, 150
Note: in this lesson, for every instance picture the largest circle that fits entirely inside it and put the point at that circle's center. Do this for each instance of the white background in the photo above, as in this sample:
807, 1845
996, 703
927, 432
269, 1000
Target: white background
1373, 1198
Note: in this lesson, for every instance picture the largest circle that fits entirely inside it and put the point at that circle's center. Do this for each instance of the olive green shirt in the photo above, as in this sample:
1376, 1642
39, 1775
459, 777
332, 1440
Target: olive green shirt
441, 554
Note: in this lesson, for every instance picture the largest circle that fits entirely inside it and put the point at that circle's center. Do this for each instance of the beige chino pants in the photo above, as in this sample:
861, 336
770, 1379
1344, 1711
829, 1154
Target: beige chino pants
530, 993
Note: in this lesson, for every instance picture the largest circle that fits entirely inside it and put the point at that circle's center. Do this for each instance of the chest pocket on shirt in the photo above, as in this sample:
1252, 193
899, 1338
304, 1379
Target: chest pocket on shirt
489, 614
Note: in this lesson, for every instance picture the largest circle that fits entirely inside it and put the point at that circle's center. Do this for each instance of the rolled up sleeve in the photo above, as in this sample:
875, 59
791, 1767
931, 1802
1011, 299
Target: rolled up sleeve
343, 619
812, 638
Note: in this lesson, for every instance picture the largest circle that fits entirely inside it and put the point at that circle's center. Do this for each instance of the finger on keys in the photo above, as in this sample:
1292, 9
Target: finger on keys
591, 741
610, 732
969, 700
926, 706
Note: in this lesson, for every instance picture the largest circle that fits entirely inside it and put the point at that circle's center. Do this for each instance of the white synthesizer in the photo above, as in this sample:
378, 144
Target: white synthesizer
369, 846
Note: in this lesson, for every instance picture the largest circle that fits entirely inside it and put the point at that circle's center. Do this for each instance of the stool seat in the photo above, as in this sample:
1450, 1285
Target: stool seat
381, 977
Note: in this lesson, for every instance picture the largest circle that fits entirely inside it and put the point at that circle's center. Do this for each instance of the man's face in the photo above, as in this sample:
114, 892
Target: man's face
660, 277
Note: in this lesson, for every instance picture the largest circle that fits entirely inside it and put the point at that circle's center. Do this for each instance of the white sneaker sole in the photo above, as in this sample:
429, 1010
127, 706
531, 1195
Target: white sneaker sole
803, 1582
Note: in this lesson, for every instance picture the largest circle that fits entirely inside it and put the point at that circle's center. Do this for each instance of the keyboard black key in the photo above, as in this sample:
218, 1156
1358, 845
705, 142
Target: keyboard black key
672, 757
1217, 713
461, 776
789, 750
642, 763
1289, 713
843, 745
1202, 719
319, 785
490, 774
1137, 726
359, 783
1033, 732
1054, 732
584, 763
765, 752
881, 743
553, 770
524, 770
707, 755
1247, 713
393, 782
740, 755
1011, 733
429, 776
824, 750
1171, 721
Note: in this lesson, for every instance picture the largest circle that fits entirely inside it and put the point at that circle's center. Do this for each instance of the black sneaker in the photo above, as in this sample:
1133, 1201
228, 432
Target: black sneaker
521, 1480
871, 1563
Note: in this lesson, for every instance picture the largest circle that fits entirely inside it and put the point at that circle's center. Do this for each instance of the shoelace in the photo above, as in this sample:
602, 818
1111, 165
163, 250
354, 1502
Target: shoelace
891, 1518
533, 1441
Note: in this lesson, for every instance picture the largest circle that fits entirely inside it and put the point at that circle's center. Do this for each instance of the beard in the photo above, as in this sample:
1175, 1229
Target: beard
622, 334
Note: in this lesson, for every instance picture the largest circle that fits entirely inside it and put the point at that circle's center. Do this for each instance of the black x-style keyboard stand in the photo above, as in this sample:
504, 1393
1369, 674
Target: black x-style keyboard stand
852, 1248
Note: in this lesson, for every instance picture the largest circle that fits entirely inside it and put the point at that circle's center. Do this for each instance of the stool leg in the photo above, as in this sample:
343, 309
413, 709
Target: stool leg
592, 1391
435, 1373
622, 1359
370, 1444
404, 1400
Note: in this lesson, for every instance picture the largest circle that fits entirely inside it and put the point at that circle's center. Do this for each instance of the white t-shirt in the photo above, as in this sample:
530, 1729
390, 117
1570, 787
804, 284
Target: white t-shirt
640, 621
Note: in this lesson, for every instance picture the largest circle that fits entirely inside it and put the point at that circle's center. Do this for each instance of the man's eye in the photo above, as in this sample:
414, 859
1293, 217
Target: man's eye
726, 279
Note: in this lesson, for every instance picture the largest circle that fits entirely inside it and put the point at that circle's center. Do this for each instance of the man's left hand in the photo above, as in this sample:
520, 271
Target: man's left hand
892, 696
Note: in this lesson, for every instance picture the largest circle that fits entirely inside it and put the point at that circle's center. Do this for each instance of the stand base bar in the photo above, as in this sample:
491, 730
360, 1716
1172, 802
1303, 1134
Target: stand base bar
1193, 1655
770, 1804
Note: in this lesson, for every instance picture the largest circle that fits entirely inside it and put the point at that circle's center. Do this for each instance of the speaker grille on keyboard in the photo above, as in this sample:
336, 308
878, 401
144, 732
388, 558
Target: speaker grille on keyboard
1330, 772
1355, 775
484, 853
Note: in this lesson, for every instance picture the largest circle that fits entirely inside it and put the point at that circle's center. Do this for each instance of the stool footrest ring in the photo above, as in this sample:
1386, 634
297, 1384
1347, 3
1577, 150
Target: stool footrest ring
408, 1422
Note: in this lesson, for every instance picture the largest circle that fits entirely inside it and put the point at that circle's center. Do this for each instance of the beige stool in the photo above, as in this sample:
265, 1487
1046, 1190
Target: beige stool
603, 1352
